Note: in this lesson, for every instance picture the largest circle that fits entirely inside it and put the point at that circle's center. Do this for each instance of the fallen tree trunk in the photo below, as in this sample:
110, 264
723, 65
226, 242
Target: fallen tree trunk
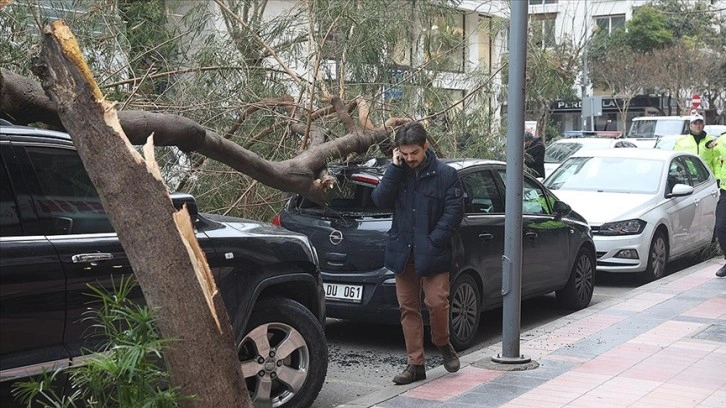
23, 101
159, 242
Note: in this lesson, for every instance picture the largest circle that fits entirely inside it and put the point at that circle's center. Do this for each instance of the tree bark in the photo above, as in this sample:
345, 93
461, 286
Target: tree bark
159, 242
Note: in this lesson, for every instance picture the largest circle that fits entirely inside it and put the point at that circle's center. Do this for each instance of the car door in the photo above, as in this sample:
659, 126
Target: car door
545, 240
681, 211
705, 194
32, 286
482, 231
69, 213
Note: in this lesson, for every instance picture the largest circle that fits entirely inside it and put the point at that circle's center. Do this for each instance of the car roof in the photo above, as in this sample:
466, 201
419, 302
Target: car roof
587, 141
8, 129
639, 118
643, 153
464, 163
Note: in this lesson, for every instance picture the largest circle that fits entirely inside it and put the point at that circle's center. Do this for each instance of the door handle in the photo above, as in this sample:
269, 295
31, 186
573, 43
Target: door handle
531, 235
486, 237
95, 257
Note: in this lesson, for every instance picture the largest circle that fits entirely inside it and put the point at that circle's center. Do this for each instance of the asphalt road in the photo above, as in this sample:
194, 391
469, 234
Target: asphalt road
364, 357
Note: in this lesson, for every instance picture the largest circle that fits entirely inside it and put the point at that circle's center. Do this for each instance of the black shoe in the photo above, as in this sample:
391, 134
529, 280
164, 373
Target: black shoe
410, 374
721, 272
451, 360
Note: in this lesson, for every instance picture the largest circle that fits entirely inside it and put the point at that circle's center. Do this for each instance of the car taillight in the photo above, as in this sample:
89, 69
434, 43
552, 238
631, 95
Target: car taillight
362, 178
276, 220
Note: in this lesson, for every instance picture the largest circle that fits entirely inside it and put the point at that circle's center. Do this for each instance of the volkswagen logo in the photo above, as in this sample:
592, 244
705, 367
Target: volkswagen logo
336, 237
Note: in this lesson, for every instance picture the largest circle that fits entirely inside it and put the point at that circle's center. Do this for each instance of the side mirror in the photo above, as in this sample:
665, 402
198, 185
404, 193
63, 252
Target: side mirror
561, 209
680, 190
179, 199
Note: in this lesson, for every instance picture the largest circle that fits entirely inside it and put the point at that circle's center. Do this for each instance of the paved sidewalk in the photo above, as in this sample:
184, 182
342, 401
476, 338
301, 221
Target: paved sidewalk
662, 345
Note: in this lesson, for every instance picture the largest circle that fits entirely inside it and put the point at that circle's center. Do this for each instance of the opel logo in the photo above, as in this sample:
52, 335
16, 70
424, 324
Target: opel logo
336, 237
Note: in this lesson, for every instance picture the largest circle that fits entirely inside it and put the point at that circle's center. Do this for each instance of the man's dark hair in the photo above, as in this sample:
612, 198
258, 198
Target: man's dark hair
410, 133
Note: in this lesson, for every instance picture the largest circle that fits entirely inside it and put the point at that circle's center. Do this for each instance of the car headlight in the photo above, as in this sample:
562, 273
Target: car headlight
628, 227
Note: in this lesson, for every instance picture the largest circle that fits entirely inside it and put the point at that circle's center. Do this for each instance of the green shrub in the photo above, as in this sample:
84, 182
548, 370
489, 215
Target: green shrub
127, 371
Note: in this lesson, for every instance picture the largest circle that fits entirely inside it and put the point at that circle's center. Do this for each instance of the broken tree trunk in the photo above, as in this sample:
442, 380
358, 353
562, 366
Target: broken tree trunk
160, 243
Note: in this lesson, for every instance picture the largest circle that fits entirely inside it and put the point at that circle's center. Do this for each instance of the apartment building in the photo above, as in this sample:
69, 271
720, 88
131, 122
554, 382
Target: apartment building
575, 20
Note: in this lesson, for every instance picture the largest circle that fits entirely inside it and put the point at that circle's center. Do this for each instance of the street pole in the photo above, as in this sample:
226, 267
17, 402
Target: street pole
512, 259
586, 79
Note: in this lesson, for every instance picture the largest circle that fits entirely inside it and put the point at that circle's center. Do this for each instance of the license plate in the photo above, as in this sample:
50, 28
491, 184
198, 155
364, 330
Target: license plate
347, 293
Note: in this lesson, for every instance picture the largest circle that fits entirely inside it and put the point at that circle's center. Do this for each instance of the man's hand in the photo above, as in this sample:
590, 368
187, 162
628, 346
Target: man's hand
711, 144
397, 157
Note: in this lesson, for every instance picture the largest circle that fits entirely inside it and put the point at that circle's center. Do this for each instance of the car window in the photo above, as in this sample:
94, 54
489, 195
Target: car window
671, 127
67, 203
696, 170
558, 152
534, 200
9, 220
677, 174
482, 195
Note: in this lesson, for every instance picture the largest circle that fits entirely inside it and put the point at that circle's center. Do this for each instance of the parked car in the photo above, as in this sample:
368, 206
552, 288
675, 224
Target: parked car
645, 130
55, 239
646, 207
715, 130
669, 141
559, 150
350, 235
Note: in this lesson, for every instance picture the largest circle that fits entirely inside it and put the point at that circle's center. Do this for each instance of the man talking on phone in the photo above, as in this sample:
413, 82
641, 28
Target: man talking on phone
427, 201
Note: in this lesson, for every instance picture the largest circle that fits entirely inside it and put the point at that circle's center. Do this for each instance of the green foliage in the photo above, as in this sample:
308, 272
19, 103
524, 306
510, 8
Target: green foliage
647, 30
167, 56
691, 20
125, 372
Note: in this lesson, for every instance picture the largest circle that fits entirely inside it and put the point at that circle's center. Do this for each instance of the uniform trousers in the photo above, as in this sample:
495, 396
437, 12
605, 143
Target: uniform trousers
436, 297
721, 221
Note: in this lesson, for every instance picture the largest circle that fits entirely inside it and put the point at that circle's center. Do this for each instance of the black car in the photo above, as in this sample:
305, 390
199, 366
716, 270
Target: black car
55, 239
350, 235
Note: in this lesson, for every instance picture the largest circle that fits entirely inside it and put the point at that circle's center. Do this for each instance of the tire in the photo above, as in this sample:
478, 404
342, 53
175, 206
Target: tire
464, 312
578, 291
284, 355
657, 258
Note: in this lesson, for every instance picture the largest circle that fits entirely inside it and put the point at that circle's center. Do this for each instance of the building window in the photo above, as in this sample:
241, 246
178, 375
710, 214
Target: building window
542, 27
540, 2
610, 23
445, 44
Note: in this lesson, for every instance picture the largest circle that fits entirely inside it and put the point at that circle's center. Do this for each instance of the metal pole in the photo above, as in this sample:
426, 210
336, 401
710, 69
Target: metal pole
512, 259
585, 78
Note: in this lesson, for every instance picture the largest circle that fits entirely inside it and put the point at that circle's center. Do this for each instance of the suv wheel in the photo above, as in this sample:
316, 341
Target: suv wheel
464, 313
284, 355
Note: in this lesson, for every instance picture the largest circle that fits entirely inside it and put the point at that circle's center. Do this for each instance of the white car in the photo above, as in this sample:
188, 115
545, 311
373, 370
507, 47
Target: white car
646, 207
715, 130
645, 130
559, 150
668, 142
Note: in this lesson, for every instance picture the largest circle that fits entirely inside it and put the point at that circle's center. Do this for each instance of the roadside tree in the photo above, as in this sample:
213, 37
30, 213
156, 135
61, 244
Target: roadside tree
224, 95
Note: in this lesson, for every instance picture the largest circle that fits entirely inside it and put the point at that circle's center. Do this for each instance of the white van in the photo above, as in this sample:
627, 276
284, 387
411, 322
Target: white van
646, 130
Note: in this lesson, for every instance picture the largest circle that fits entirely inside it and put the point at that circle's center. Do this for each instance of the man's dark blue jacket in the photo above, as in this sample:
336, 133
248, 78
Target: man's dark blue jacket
427, 208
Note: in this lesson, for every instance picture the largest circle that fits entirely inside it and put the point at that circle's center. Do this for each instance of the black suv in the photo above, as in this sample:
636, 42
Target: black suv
55, 239
350, 235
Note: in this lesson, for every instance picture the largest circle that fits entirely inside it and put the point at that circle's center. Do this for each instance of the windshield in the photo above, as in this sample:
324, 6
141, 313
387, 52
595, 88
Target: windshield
648, 128
558, 152
667, 142
608, 174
